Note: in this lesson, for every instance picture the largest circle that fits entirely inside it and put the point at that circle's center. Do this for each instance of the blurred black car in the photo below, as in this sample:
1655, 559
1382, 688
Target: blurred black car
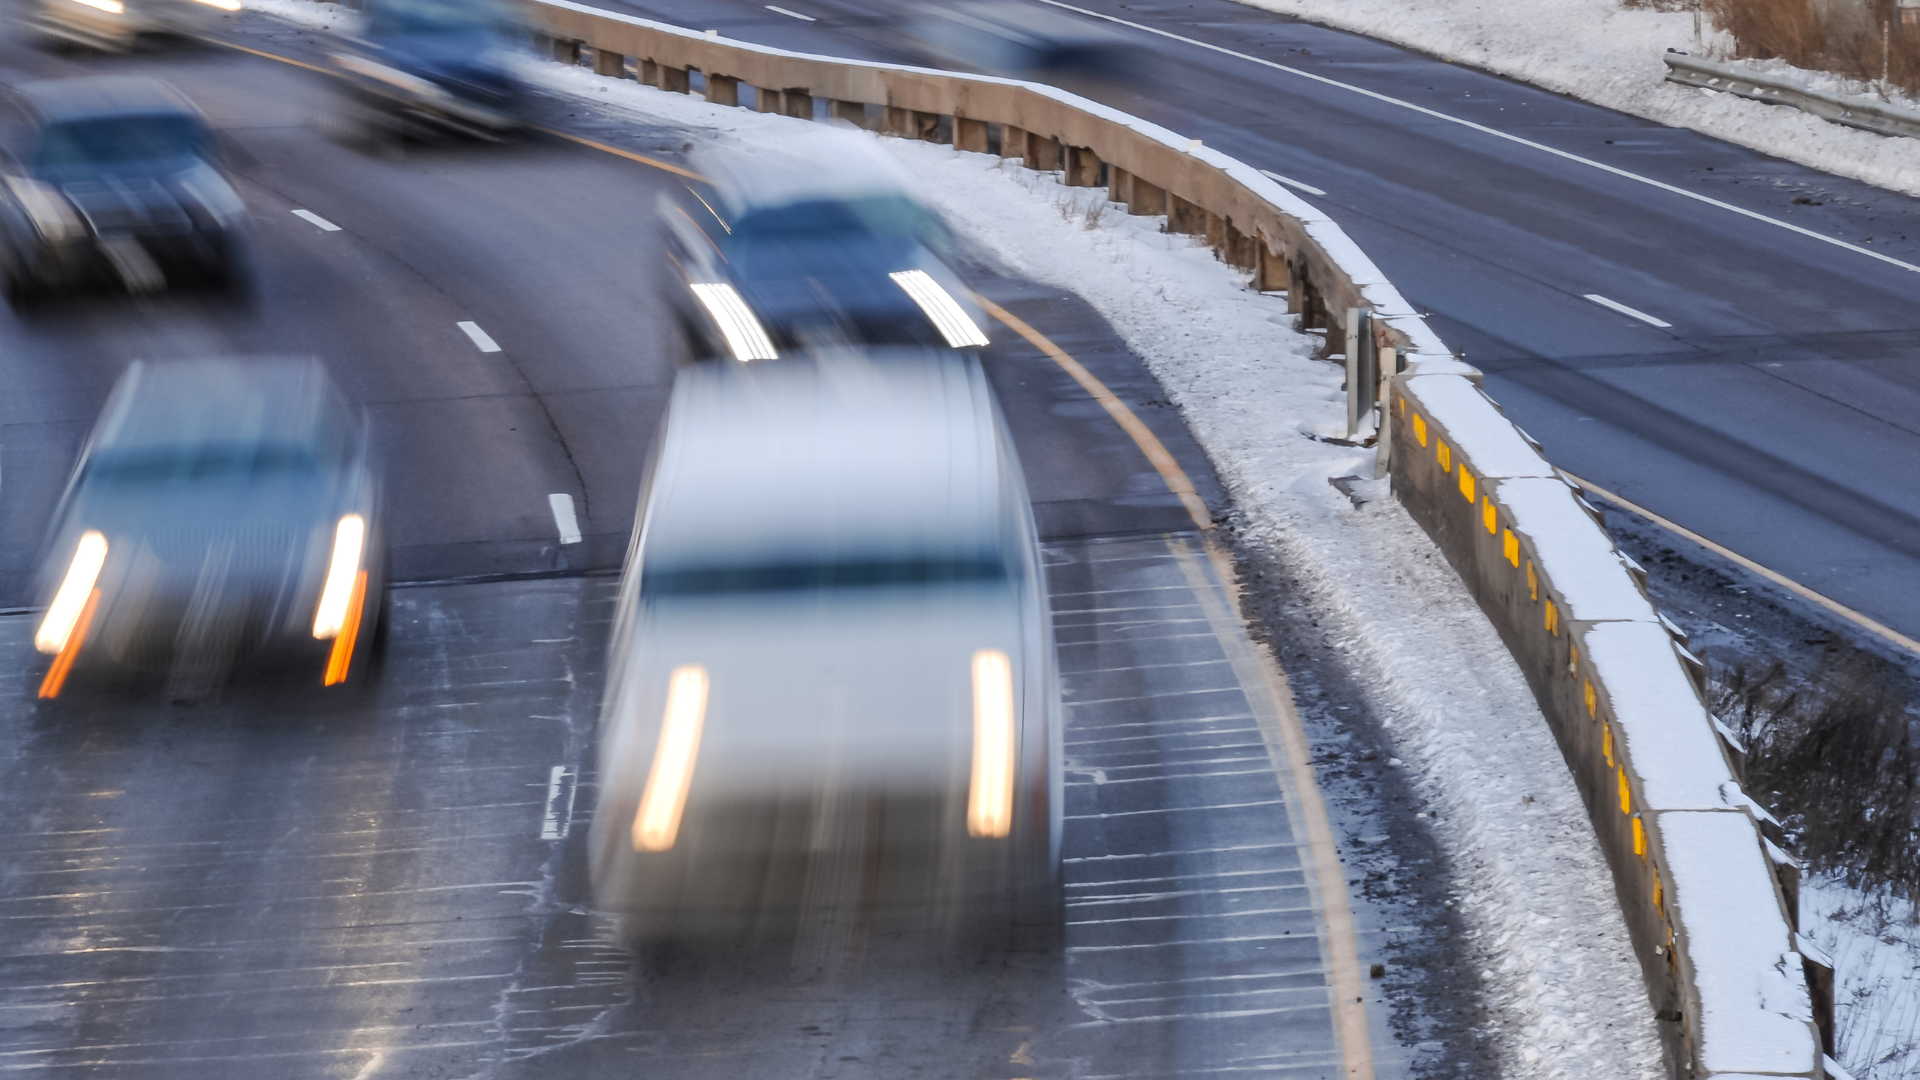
427, 68
223, 511
118, 25
1006, 37
110, 178
810, 245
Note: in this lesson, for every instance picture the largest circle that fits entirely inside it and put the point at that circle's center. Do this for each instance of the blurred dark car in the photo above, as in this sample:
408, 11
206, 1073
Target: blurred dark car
113, 178
223, 511
429, 68
1000, 37
118, 25
811, 244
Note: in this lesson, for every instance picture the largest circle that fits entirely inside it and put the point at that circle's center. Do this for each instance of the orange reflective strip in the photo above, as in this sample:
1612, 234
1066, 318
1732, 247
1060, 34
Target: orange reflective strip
63, 663
342, 656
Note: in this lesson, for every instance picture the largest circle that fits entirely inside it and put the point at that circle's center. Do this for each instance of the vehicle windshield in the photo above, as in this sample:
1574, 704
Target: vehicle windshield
881, 216
818, 575
203, 464
118, 139
388, 17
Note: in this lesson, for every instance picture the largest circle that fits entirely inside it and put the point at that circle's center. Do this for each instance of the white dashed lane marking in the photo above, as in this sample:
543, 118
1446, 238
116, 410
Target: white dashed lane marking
791, 14
315, 219
1630, 312
479, 336
563, 517
1308, 188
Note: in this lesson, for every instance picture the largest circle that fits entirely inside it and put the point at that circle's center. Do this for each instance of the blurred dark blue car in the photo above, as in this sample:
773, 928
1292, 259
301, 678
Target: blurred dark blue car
429, 68
110, 178
809, 245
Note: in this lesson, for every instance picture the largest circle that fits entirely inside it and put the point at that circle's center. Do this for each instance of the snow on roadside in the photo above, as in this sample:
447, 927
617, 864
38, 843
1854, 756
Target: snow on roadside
1610, 55
1874, 947
1565, 993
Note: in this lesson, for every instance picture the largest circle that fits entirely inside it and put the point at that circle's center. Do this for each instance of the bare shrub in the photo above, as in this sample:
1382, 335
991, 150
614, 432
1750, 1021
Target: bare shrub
1838, 761
1864, 43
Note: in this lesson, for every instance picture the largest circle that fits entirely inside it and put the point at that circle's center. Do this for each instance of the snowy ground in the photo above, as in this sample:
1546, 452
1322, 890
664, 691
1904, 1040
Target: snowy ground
1531, 885
1610, 55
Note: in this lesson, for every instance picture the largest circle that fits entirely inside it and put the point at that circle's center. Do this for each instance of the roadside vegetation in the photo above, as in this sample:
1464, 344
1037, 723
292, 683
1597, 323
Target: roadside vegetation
1834, 754
1864, 40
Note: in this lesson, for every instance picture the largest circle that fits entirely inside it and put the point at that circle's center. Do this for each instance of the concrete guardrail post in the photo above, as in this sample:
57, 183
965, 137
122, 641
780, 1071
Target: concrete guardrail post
853, 112
1082, 167
567, 52
969, 134
1145, 199
767, 100
1185, 217
674, 79
797, 103
723, 90
607, 62
1043, 153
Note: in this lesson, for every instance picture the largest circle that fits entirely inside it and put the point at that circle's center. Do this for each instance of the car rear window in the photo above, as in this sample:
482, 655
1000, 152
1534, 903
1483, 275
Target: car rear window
202, 464
818, 575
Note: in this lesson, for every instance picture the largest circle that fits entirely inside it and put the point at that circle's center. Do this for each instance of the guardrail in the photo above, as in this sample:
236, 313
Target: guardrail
1864, 113
1710, 900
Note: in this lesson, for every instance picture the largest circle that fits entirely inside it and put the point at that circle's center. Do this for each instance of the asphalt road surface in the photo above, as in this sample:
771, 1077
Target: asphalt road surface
1774, 412
390, 881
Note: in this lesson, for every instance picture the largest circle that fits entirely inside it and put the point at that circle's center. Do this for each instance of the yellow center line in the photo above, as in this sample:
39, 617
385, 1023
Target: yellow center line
1268, 693
1149, 443
1865, 622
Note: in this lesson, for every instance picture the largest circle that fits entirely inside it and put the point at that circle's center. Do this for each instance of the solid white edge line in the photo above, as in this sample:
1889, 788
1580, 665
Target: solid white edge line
479, 336
1290, 182
791, 14
564, 520
315, 219
1625, 310
1498, 134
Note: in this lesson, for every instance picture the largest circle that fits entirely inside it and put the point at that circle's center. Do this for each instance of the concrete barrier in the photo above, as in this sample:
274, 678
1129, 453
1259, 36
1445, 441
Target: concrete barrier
1709, 899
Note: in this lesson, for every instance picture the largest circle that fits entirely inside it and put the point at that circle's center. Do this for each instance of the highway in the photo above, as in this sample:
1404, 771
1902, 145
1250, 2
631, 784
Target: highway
391, 881
1766, 400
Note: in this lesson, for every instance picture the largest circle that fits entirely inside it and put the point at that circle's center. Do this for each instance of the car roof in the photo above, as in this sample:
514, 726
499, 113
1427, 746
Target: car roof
817, 163
57, 100
250, 400
857, 453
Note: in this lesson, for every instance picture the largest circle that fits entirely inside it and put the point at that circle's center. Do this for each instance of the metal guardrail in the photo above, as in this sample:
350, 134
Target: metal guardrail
1710, 902
1863, 113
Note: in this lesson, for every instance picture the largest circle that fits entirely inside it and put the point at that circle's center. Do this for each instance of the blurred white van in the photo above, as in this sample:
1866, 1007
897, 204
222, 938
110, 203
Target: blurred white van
832, 680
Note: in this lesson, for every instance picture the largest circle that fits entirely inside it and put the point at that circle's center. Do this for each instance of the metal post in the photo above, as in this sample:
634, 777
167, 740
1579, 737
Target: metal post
1696, 24
1360, 368
1383, 441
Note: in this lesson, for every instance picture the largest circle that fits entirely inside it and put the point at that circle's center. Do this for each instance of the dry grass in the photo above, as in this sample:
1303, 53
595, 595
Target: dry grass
1839, 762
1865, 44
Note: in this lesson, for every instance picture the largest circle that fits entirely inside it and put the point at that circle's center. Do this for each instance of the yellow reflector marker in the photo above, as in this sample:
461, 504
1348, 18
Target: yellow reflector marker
657, 823
990, 799
1510, 547
1639, 838
349, 537
57, 625
1626, 794
1466, 484
744, 334
342, 655
947, 315
1420, 428
63, 663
